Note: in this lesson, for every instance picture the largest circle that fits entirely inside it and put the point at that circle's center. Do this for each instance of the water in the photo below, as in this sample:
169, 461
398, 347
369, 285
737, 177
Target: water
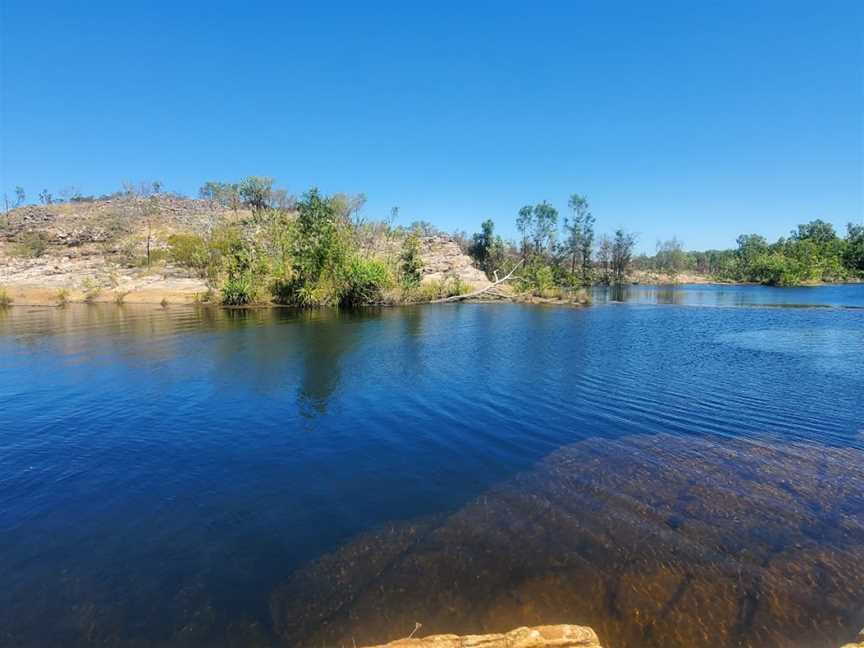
669, 475
836, 295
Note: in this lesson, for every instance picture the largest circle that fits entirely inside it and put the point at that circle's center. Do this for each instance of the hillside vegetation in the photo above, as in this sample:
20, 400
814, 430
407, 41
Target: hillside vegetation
236, 245
250, 242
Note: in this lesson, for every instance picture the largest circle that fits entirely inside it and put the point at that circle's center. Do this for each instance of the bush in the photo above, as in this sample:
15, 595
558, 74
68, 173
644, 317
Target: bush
411, 265
365, 282
237, 291
538, 279
190, 251
433, 289
5, 299
91, 290
32, 244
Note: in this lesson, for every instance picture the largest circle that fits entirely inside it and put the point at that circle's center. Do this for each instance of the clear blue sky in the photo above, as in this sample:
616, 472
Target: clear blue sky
696, 119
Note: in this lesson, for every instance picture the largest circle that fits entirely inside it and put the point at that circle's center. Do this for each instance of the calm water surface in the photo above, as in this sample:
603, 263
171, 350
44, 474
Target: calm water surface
670, 475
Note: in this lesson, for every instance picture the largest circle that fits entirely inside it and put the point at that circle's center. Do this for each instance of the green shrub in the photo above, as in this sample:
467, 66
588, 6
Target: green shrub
62, 297
91, 290
365, 282
5, 299
237, 291
32, 244
537, 279
433, 289
190, 251
410, 263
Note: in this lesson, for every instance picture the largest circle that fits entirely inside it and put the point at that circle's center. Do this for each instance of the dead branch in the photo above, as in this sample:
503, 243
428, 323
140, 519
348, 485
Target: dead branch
477, 293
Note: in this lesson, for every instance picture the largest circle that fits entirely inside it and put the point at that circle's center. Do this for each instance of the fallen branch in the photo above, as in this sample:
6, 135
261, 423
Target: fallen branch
477, 293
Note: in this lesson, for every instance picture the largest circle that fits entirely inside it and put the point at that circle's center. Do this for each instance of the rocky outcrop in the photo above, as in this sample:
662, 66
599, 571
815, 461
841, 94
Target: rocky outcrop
102, 242
559, 636
76, 223
443, 258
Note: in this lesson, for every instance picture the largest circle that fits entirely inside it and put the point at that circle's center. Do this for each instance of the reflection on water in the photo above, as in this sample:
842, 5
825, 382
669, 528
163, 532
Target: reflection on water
204, 477
839, 295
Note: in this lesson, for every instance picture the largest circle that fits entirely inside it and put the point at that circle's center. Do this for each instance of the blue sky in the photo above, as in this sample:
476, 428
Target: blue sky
696, 119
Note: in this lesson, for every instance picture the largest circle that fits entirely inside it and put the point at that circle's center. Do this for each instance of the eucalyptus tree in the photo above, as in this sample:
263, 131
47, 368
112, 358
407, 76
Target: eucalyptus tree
580, 239
545, 225
623, 243
525, 223
256, 192
488, 249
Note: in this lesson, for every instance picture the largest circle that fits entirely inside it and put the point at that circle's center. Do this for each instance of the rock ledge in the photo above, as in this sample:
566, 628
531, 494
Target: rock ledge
551, 636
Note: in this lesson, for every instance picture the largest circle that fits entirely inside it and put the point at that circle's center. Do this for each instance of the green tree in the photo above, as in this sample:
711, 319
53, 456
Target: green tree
45, 197
545, 225
580, 238
817, 231
411, 265
20, 196
750, 248
853, 256
623, 243
525, 223
256, 192
671, 257
487, 249
224, 194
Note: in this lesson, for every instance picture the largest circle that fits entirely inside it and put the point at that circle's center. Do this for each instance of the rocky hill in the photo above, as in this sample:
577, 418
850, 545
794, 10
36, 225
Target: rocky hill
98, 250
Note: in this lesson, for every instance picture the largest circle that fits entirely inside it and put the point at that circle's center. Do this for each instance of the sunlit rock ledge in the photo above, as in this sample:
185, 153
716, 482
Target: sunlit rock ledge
859, 642
559, 636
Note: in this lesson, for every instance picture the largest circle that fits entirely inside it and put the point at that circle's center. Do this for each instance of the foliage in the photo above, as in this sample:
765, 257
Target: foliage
256, 192
487, 249
411, 265
433, 289
238, 290
579, 242
20, 196
62, 296
91, 290
365, 282
5, 299
812, 253
538, 279
225, 194
545, 227
671, 257
623, 243
190, 251
853, 255
31, 244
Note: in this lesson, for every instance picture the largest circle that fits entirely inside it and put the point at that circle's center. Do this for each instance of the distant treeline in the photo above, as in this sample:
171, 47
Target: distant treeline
813, 252
571, 256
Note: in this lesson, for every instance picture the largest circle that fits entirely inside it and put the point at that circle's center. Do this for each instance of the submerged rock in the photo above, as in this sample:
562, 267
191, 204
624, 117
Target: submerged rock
560, 636
653, 541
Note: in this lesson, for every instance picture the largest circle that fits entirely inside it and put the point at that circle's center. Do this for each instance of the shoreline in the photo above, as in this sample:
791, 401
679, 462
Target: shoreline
189, 292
